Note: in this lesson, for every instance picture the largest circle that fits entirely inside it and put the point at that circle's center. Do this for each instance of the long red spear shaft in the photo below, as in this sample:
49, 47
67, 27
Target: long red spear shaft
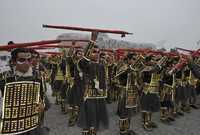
147, 51
186, 50
86, 29
22, 45
94, 31
54, 46
192, 52
39, 43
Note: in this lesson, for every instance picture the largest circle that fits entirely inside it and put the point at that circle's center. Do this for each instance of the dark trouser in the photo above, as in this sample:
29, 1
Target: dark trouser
93, 114
149, 103
124, 117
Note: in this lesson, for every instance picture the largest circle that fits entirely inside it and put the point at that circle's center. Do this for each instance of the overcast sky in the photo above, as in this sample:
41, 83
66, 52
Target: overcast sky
164, 22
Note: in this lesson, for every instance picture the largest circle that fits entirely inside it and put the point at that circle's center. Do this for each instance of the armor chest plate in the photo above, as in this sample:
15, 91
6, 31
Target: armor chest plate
153, 86
155, 78
59, 75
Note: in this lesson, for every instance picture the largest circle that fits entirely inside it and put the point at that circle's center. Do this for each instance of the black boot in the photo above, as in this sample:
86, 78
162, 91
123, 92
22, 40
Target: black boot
92, 131
143, 116
186, 108
170, 115
124, 126
58, 99
193, 103
56, 96
71, 117
153, 124
62, 105
179, 111
131, 132
85, 132
194, 106
164, 115
146, 125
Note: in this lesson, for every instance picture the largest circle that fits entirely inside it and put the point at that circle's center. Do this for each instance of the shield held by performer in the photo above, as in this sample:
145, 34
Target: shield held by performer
20, 112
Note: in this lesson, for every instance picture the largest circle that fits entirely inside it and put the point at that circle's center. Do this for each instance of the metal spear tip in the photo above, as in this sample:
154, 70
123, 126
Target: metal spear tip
130, 33
127, 33
123, 35
44, 25
92, 42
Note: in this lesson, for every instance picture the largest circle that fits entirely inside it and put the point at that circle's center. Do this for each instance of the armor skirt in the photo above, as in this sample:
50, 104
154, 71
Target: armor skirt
75, 95
181, 94
122, 111
150, 102
57, 85
188, 91
167, 101
193, 92
61, 87
93, 113
198, 88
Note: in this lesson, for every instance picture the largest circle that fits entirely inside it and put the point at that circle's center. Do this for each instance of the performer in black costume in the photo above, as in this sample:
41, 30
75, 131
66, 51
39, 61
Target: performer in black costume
59, 85
21, 59
167, 93
128, 101
74, 94
150, 97
93, 111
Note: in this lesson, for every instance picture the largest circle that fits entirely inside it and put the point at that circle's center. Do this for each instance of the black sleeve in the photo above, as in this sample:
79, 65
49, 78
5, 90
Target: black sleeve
44, 96
195, 69
47, 102
84, 65
102, 77
2, 84
154, 69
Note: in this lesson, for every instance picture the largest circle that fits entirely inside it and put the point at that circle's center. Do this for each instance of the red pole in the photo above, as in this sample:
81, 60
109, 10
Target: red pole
22, 45
94, 32
39, 43
86, 29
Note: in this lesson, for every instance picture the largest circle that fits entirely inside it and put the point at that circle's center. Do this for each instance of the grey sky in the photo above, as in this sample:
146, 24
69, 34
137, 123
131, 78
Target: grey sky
173, 22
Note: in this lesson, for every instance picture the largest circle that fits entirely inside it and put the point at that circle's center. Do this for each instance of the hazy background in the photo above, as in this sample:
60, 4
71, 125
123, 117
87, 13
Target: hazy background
166, 23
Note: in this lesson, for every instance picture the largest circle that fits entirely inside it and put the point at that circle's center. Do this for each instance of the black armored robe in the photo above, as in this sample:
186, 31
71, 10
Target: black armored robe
93, 111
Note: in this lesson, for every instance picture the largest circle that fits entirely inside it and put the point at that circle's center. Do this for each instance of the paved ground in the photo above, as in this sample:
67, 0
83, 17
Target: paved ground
187, 125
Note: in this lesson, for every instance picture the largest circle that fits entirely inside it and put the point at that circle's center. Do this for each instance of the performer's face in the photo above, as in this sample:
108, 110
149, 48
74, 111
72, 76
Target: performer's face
131, 61
79, 54
35, 59
109, 59
94, 56
103, 58
23, 62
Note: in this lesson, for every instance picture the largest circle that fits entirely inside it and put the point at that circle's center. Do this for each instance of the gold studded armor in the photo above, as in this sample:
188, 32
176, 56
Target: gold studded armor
59, 75
131, 90
90, 93
19, 112
132, 79
192, 80
153, 87
168, 90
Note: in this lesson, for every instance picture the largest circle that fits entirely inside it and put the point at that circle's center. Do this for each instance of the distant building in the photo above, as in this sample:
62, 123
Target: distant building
104, 41
4, 60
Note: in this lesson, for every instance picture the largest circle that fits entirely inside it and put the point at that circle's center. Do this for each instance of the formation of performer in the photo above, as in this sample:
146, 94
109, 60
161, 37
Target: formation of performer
85, 79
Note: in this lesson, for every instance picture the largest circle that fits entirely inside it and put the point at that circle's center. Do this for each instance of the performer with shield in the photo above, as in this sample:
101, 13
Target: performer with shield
23, 98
